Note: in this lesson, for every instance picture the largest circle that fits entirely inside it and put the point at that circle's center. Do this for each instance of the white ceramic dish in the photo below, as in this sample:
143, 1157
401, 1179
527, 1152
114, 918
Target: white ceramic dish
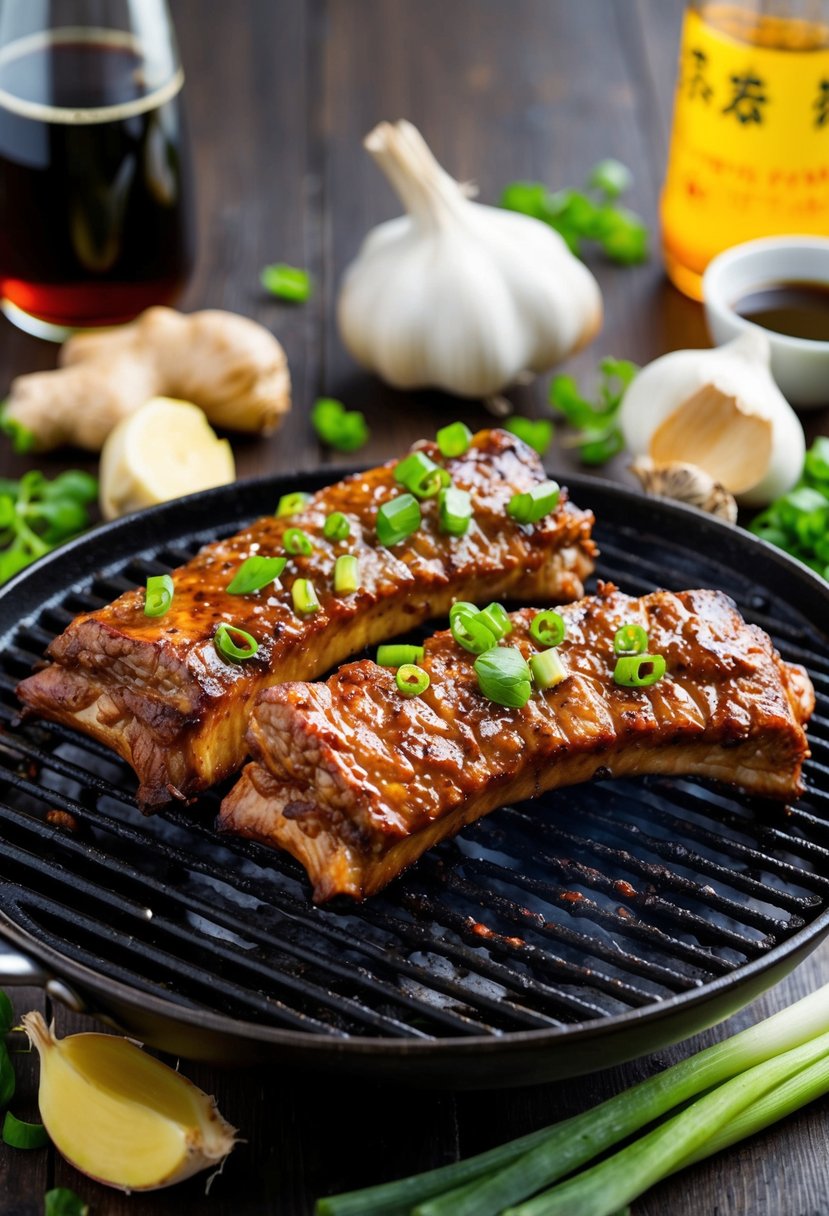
799, 365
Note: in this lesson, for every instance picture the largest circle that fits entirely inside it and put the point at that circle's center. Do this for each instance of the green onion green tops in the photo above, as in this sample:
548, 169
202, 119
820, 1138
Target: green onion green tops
496, 619
339, 428
530, 507
459, 607
397, 519
471, 632
336, 526
639, 671
398, 656
286, 282
304, 596
454, 511
630, 639
504, 677
548, 628
453, 440
290, 504
159, 595
255, 573
297, 542
18, 1134
346, 574
234, 643
420, 475
411, 680
547, 668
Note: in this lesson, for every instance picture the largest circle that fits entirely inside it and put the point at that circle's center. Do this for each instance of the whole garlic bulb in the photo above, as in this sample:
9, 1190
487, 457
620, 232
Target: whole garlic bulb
722, 411
457, 295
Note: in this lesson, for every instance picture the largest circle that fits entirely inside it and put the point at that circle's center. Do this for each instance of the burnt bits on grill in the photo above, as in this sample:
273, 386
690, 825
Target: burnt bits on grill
357, 780
156, 691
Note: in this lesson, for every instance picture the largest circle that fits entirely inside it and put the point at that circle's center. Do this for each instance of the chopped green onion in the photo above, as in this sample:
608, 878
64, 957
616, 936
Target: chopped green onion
461, 607
158, 596
548, 628
411, 680
346, 574
548, 668
397, 656
504, 677
472, 633
297, 542
304, 596
343, 429
255, 573
286, 282
630, 639
536, 432
336, 526
504, 1175
18, 1134
639, 671
454, 511
234, 643
397, 519
290, 504
530, 507
496, 619
60, 1201
453, 440
421, 476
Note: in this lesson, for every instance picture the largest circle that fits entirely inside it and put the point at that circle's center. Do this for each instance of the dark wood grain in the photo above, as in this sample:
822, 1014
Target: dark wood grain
280, 94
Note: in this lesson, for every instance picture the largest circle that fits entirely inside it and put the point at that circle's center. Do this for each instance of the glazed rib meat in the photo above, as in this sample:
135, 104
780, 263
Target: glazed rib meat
157, 691
357, 780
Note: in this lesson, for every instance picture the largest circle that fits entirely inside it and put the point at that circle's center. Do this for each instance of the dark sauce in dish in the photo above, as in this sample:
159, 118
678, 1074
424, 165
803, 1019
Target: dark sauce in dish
798, 310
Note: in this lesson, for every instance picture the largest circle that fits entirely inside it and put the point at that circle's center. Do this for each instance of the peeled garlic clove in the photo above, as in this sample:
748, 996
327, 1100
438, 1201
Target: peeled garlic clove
121, 1116
685, 483
163, 450
720, 410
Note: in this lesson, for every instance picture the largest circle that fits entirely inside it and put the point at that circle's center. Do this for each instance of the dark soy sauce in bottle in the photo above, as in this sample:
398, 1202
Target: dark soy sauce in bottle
95, 205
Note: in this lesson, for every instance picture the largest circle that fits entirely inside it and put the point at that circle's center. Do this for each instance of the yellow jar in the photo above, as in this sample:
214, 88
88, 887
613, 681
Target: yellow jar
749, 153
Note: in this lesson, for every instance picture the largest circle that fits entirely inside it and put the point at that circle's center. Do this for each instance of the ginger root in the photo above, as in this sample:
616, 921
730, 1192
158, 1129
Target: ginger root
230, 366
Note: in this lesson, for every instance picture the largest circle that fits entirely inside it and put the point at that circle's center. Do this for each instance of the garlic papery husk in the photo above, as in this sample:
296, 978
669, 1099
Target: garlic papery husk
685, 483
720, 410
121, 1116
457, 295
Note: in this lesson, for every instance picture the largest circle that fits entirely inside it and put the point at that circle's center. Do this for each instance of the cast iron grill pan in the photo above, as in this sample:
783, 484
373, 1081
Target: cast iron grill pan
551, 937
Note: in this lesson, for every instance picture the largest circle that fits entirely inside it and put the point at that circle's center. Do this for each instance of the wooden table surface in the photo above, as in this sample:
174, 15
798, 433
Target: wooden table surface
280, 93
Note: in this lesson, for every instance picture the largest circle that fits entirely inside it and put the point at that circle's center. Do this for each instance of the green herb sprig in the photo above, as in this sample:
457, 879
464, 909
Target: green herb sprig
799, 521
14, 1131
37, 515
593, 214
598, 436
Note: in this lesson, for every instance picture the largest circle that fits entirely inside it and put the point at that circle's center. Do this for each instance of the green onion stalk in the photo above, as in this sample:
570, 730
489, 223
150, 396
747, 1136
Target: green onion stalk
489, 1183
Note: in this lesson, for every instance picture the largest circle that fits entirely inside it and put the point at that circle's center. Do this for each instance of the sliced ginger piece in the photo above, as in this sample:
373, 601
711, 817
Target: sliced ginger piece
121, 1116
164, 450
713, 430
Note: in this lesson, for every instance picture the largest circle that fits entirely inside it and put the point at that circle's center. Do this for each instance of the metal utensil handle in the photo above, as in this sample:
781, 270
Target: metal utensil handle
18, 970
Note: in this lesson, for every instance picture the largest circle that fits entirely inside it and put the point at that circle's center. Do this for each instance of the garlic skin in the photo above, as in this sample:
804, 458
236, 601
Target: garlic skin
721, 410
119, 1115
458, 295
685, 483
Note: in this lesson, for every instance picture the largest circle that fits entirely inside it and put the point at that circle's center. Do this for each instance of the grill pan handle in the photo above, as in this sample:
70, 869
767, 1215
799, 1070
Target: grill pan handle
18, 970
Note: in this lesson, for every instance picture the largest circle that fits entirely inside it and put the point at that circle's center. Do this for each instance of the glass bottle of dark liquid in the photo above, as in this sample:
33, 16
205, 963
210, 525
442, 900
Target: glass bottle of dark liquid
95, 194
